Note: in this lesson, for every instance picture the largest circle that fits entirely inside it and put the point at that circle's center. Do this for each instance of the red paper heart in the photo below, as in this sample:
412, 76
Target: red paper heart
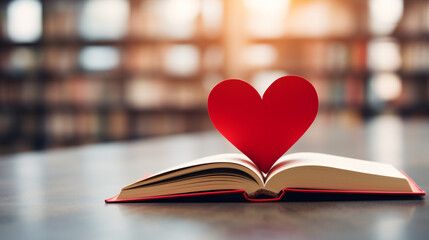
263, 129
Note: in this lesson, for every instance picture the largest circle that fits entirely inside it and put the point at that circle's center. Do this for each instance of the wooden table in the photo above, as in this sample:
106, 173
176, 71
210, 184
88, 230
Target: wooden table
60, 194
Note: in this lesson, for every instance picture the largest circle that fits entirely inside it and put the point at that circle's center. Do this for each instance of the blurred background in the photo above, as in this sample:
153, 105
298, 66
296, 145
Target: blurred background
79, 72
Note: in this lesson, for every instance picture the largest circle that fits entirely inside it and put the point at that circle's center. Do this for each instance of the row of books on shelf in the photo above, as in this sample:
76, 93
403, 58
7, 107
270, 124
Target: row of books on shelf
160, 19
322, 57
336, 57
65, 19
63, 127
145, 94
86, 92
180, 60
415, 57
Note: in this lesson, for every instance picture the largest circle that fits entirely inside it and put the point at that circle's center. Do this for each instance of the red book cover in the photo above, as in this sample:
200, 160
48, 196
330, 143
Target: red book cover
240, 195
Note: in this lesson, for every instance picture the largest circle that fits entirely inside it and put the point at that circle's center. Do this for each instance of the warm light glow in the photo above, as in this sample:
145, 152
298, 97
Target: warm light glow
99, 58
387, 86
263, 79
176, 18
144, 93
24, 20
266, 18
260, 55
104, 19
320, 19
212, 13
384, 55
384, 15
181, 11
311, 20
182, 60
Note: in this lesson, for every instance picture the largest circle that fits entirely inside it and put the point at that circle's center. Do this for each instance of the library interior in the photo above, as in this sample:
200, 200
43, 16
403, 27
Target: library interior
96, 94
80, 72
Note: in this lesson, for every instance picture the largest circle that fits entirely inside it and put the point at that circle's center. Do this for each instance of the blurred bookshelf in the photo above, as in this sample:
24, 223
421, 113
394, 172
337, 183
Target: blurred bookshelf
78, 72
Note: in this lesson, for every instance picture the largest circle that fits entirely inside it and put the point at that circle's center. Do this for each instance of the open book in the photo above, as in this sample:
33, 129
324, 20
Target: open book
226, 173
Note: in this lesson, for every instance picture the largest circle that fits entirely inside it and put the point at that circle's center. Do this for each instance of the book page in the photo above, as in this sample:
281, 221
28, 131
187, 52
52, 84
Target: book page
332, 161
228, 160
323, 171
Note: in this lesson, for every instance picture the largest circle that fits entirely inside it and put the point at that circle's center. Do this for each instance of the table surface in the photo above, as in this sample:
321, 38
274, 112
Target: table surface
59, 194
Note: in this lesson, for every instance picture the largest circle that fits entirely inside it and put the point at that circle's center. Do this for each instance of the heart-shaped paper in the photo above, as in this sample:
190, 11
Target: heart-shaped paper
263, 129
